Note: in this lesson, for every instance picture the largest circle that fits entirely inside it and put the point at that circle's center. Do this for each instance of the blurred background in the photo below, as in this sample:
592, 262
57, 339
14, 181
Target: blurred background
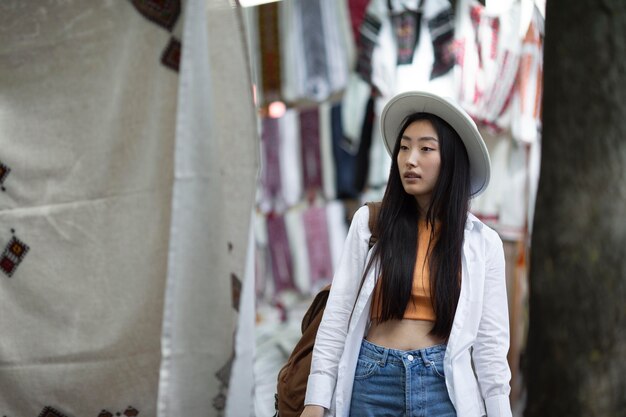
323, 71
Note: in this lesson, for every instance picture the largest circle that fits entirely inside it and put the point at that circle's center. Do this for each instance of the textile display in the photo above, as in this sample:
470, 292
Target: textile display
505, 202
380, 162
271, 167
404, 59
123, 223
306, 241
343, 155
337, 229
213, 194
315, 48
309, 241
509, 201
526, 119
290, 157
365, 143
488, 57
311, 149
309, 18
297, 247
318, 247
282, 264
484, 57
298, 157
358, 91
356, 9
403, 45
87, 127
367, 40
241, 389
282, 168
329, 177
297, 250
262, 272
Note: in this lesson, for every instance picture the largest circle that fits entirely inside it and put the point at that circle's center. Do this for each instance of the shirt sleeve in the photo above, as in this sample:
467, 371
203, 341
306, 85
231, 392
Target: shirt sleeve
492, 340
331, 335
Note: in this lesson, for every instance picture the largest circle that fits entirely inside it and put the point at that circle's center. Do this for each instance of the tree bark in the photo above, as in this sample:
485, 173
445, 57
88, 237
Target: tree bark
576, 353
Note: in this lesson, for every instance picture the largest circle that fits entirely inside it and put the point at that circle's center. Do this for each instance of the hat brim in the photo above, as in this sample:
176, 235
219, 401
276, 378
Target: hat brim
405, 104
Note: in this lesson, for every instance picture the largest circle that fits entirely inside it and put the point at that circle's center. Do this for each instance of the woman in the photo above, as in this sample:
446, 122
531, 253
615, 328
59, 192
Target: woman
418, 326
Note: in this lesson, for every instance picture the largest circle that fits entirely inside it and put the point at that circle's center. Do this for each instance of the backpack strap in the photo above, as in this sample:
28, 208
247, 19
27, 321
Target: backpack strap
374, 208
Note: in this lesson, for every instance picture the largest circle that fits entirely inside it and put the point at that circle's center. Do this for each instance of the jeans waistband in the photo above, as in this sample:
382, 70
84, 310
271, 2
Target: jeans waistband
385, 355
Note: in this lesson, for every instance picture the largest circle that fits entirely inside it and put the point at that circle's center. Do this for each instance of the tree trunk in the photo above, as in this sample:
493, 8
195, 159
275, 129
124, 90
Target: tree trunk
576, 354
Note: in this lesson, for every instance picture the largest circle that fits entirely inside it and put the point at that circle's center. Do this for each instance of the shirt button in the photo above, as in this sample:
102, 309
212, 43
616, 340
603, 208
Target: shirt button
410, 358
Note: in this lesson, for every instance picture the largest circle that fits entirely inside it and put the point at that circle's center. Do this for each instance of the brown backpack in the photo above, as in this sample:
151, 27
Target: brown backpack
293, 376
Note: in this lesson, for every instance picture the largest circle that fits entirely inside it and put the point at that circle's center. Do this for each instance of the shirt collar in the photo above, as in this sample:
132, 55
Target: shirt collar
473, 221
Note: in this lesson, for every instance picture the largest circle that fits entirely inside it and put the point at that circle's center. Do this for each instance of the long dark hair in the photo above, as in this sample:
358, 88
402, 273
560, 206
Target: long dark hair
398, 232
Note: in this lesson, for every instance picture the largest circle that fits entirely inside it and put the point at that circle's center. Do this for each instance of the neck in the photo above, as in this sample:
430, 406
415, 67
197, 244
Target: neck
423, 202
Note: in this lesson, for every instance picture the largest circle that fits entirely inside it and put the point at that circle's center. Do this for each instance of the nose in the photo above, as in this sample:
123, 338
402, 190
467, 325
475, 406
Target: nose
412, 158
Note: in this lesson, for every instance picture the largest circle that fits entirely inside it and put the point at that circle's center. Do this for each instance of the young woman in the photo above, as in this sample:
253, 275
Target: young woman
418, 325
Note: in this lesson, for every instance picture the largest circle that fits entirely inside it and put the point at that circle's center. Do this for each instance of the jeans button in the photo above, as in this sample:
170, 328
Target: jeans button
410, 358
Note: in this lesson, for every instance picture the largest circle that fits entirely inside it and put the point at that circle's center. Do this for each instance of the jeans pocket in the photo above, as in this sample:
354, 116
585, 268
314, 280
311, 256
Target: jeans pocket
365, 369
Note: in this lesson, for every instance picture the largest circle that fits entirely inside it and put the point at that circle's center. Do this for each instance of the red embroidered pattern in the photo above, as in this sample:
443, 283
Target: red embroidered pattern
171, 55
4, 173
51, 412
223, 375
235, 284
130, 412
162, 12
13, 254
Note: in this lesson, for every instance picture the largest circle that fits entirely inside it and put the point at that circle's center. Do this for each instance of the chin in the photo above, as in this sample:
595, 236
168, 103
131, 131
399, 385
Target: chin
413, 191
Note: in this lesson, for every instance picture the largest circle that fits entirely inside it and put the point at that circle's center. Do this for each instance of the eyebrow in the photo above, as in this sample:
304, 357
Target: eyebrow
423, 138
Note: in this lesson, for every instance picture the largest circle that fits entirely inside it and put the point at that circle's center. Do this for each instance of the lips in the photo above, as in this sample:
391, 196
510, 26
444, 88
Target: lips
412, 175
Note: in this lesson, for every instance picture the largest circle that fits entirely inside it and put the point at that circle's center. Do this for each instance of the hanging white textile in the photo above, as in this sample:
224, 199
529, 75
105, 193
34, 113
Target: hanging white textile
488, 56
297, 245
290, 158
329, 178
214, 181
390, 78
87, 117
240, 395
526, 112
504, 203
316, 48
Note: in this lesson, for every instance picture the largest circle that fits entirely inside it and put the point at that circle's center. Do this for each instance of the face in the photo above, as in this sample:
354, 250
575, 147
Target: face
419, 161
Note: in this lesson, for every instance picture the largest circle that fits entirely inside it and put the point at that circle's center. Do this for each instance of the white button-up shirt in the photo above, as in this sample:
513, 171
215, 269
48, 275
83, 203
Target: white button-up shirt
480, 330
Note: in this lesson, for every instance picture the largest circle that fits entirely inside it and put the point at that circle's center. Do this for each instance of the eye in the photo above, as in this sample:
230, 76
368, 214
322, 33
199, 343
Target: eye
427, 149
403, 147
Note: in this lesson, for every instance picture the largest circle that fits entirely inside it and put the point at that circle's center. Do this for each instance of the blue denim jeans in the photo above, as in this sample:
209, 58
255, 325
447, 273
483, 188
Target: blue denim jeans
394, 383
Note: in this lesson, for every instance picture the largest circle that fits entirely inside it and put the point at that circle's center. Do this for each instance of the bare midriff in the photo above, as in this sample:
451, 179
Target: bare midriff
403, 334
413, 331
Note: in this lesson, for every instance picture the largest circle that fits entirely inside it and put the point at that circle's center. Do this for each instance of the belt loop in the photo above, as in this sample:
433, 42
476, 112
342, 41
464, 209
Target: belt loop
424, 357
383, 360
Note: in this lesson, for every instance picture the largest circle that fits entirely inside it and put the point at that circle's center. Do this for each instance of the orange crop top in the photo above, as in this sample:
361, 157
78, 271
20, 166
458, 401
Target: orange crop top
420, 306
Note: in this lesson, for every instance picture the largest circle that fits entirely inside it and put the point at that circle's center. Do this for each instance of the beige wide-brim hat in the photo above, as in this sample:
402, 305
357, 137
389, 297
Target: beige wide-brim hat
405, 104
